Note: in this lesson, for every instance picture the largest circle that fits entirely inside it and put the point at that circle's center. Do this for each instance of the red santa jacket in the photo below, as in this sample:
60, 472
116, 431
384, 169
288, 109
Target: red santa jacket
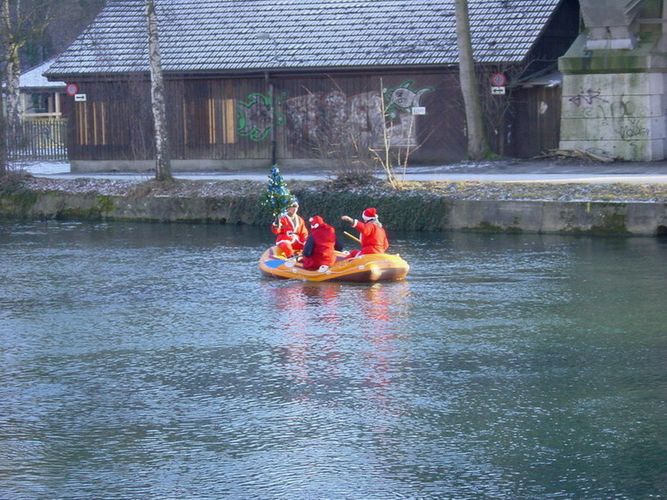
373, 237
290, 230
320, 246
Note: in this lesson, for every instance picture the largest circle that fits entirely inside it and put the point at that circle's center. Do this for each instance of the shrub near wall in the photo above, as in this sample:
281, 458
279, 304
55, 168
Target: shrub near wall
400, 210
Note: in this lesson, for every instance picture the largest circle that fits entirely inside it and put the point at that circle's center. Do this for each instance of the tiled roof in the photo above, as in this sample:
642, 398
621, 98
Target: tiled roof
258, 35
34, 78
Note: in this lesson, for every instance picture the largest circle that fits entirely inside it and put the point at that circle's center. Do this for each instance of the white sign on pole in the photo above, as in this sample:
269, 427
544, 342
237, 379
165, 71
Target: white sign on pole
79, 97
498, 90
418, 110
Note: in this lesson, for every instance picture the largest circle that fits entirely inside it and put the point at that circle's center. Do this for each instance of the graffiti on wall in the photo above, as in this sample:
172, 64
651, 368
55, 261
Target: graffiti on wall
355, 121
335, 120
319, 118
632, 129
587, 97
619, 114
400, 100
619, 125
255, 119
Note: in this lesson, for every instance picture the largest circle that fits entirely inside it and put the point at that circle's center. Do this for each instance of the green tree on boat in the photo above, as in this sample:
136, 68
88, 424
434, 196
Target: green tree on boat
277, 196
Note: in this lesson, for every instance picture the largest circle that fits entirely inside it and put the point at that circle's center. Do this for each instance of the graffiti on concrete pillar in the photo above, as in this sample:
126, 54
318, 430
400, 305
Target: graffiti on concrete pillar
618, 115
632, 128
255, 117
625, 122
587, 97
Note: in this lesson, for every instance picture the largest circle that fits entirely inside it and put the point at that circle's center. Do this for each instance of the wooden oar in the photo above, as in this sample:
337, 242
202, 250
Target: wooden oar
352, 236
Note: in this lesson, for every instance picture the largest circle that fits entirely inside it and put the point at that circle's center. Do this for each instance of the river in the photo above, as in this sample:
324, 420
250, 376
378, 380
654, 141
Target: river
153, 361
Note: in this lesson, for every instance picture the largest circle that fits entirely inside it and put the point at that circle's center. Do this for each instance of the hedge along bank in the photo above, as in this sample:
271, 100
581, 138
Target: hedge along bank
433, 206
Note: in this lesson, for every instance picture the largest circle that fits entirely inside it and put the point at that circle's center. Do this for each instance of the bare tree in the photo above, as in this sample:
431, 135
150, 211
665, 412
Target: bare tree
18, 25
359, 133
477, 145
11, 43
69, 18
163, 161
3, 138
497, 110
334, 134
395, 150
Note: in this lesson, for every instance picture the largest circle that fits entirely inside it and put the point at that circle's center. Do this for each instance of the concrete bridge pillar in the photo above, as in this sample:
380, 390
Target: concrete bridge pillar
614, 81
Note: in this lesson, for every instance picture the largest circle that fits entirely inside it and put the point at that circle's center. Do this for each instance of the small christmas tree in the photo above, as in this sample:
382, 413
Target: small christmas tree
277, 196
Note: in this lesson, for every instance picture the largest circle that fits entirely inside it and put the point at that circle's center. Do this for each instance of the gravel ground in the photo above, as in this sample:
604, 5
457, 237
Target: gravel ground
462, 190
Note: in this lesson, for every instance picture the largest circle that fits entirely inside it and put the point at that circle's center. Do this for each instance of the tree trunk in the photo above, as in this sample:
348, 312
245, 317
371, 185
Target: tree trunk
13, 91
12, 68
4, 42
163, 161
3, 139
477, 144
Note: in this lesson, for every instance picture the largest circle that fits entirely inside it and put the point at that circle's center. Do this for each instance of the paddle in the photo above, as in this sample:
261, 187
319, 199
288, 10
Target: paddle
352, 236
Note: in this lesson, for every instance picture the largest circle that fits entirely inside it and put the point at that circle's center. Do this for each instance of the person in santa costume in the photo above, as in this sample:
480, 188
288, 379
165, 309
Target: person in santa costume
320, 245
290, 231
371, 233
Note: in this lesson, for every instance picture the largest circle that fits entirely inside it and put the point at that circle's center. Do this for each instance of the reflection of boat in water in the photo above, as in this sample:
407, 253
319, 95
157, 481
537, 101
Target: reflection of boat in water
364, 268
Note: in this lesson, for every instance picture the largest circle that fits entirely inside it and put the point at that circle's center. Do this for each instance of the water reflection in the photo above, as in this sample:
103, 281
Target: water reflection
297, 306
314, 321
155, 361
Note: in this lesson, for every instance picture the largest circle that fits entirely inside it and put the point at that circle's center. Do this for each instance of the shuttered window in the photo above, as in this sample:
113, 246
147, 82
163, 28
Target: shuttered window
92, 118
209, 118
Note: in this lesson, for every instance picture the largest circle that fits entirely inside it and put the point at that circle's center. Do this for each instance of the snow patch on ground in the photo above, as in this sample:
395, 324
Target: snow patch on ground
45, 168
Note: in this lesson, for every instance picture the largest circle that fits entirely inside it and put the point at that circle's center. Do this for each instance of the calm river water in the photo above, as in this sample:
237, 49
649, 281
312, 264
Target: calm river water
153, 361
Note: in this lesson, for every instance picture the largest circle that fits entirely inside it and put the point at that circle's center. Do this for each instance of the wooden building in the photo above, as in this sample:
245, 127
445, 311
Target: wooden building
299, 81
41, 98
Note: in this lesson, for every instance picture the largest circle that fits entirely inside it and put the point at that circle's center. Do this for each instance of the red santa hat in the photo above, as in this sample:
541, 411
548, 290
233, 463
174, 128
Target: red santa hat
315, 221
369, 213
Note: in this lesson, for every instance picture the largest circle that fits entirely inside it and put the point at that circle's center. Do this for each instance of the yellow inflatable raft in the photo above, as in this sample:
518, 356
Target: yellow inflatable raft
364, 268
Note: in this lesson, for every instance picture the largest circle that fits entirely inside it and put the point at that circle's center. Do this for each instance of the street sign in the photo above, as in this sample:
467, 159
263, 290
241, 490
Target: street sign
72, 89
498, 90
498, 80
80, 97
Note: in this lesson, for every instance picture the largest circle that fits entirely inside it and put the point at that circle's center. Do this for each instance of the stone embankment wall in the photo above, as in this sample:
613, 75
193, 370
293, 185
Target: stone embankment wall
399, 211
